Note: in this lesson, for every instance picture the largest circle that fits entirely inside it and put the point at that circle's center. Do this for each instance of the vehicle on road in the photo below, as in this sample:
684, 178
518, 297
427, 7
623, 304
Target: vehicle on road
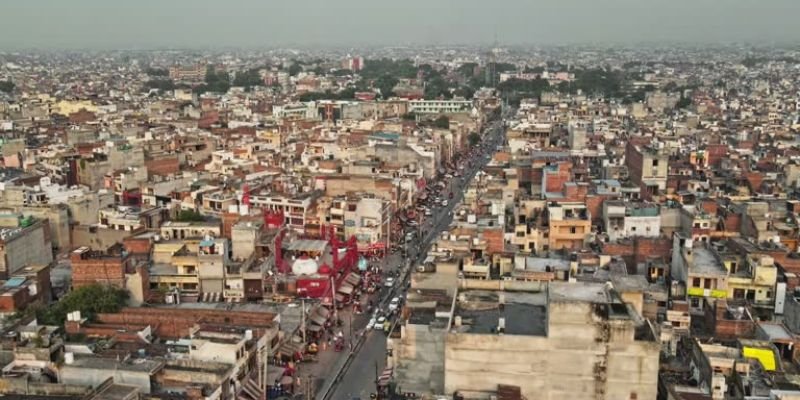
371, 323
444, 203
379, 323
428, 212
394, 304
389, 282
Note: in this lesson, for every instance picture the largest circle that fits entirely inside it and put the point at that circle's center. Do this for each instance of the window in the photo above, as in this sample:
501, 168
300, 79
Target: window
707, 283
633, 229
769, 294
696, 282
572, 229
695, 302
520, 234
655, 163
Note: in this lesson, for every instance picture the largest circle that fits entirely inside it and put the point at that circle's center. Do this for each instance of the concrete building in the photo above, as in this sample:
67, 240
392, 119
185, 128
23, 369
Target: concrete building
626, 219
583, 342
569, 225
24, 241
439, 106
647, 168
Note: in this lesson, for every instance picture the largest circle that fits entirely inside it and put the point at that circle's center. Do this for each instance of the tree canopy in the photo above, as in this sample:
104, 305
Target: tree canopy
156, 71
161, 84
376, 68
442, 122
7, 86
474, 138
189, 216
248, 78
218, 82
295, 69
89, 300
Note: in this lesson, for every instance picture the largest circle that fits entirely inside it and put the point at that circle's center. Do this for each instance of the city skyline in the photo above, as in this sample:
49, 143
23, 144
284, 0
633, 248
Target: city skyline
79, 24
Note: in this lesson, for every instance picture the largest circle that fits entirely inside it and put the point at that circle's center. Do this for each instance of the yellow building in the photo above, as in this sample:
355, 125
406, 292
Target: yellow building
569, 225
67, 107
753, 278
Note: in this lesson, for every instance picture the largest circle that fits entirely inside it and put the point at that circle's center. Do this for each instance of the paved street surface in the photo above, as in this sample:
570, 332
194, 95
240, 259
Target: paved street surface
358, 381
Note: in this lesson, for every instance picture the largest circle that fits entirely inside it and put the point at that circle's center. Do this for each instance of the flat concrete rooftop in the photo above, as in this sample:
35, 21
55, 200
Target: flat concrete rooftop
523, 313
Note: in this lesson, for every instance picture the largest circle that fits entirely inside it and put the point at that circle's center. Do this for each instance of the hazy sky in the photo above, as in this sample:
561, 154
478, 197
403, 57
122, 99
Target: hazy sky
271, 23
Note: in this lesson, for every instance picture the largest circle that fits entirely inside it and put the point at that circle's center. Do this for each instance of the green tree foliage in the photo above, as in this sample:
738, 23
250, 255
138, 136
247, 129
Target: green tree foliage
386, 84
342, 72
535, 70
504, 67
295, 69
157, 71
161, 84
89, 300
684, 102
189, 216
6, 86
218, 82
346, 94
409, 116
377, 68
467, 70
473, 138
599, 81
248, 78
517, 89
442, 122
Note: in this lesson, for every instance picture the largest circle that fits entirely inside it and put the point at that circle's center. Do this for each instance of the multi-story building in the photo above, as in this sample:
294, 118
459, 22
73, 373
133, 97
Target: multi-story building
296, 209
582, 341
192, 73
569, 224
647, 167
439, 106
623, 219
24, 241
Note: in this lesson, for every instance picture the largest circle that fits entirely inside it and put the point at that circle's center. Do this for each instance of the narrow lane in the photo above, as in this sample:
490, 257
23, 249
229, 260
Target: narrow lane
359, 379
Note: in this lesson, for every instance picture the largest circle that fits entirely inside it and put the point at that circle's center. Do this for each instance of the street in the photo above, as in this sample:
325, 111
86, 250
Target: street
358, 381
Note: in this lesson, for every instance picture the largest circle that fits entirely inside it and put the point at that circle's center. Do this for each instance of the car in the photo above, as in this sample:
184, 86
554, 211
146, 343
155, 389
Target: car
371, 323
444, 203
379, 323
428, 213
394, 304
413, 223
389, 282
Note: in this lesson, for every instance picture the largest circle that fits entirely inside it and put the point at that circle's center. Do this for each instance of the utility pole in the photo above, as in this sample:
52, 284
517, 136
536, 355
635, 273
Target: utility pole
333, 300
303, 319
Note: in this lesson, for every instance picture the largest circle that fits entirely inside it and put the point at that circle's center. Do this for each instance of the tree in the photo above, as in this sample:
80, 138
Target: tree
386, 85
684, 102
467, 69
6, 86
671, 87
474, 138
409, 116
295, 69
248, 78
442, 122
189, 216
160, 84
215, 81
89, 300
157, 71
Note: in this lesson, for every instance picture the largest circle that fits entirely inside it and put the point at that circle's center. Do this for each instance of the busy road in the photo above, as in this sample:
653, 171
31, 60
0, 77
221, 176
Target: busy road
358, 380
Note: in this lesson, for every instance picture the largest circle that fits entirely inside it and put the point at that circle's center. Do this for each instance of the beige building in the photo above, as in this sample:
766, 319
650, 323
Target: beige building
569, 224
583, 342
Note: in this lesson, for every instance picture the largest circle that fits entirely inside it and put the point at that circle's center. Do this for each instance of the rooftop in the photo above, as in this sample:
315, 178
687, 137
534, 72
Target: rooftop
523, 313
